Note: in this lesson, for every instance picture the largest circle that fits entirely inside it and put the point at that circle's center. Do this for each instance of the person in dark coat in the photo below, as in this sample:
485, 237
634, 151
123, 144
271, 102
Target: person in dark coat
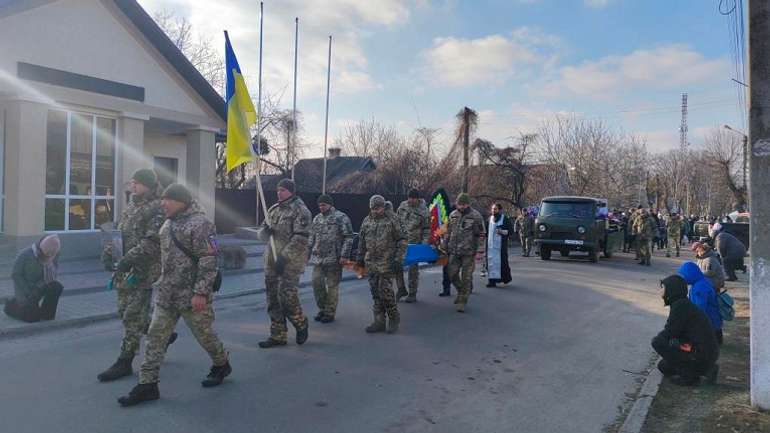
36, 290
731, 249
687, 343
499, 230
703, 295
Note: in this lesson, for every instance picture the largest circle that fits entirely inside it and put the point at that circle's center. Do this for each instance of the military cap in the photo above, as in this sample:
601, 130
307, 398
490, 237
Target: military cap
327, 199
464, 198
376, 201
146, 177
177, 192
287, 184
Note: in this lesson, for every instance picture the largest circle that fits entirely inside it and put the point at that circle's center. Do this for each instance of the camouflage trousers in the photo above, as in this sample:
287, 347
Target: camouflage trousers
326, 287
526, 244
163, 323
383, 296
413, 272
673, 241
645, 249
134, 309
283, 303
461, 273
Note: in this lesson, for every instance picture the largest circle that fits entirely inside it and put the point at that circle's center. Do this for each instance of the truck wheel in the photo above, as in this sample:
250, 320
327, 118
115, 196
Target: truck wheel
564, 253
593, 256
545, 253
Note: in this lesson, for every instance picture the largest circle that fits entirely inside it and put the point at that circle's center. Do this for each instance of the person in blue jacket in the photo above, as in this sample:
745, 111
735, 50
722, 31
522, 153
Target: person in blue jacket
703, 295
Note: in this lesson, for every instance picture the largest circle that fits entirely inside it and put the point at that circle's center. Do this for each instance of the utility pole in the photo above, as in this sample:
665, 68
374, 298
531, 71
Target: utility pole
466, 147
759, 193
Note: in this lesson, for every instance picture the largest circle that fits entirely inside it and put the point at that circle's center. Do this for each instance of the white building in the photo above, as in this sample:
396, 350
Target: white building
91, 90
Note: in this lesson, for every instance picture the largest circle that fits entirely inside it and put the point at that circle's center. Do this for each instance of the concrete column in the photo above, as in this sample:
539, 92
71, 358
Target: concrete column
131, 155
759, 199
25, 168
201, 166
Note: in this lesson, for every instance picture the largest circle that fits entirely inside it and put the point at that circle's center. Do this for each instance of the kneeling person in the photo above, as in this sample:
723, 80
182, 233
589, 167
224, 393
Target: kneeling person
687, 343
183, 290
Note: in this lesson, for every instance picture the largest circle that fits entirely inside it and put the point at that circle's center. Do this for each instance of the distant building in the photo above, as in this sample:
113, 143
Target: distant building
89, 92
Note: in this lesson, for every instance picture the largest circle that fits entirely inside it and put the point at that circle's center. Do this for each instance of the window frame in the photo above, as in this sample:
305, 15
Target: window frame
93, 198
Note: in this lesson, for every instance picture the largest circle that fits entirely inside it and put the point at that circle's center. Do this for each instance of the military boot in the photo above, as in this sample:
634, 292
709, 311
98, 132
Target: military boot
270, 342
141, 393
302, 334
378, 325
411, 298
401, 293
460, 307
393, 321
121, 368
217, 375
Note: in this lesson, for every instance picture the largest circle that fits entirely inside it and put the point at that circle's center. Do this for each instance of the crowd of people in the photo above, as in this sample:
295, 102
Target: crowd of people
169, 247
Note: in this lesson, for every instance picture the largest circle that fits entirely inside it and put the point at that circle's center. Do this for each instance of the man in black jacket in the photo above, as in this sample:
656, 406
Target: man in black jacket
687, 343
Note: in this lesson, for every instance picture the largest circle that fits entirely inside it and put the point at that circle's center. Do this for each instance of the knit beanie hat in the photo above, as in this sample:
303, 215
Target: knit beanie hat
376, 201
146, 177
413, 193
177, 192
326, 199
287, 184
464, 198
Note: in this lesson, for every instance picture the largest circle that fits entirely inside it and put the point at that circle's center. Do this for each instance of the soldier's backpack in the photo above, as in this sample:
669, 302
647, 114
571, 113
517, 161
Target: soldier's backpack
217, 280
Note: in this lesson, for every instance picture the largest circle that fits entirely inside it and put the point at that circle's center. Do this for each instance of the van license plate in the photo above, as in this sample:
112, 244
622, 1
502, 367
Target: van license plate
570, 242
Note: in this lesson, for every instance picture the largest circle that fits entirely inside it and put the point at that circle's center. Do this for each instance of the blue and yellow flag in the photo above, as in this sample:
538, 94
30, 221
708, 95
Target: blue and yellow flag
240, 113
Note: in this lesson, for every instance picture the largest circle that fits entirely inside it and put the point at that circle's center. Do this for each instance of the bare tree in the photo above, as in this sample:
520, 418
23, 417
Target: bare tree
509, 165
725, 153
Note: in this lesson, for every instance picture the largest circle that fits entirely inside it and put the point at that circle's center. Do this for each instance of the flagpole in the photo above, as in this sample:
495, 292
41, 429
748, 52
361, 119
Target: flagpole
258, 149
293, 144
326, 129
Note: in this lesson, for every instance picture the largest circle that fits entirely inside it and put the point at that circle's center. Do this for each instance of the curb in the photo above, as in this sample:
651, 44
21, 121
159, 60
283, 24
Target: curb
638, 413
40, 327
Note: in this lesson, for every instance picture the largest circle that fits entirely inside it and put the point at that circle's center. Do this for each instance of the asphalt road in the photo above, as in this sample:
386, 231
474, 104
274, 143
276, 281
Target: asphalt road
560, 349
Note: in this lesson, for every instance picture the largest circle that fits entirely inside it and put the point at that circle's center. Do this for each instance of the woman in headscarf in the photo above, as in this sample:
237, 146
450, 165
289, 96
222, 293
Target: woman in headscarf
36, 290
500, 228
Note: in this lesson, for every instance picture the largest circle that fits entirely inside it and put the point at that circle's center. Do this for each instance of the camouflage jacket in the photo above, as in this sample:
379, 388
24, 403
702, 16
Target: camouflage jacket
381, 243
674, 227
525, 225
632, 219
463, 232
331, 238
644, 227
289, 221
181, 277
416, 221
139, 226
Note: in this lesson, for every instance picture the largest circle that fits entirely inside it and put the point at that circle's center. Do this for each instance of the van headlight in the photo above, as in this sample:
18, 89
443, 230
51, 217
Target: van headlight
581, 230
542, 227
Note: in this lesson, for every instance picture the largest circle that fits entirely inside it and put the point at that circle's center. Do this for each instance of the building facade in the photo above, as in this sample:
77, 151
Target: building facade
90, 91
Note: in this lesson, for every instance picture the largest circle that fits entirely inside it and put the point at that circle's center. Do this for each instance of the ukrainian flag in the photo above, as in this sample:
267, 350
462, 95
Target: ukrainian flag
240, 113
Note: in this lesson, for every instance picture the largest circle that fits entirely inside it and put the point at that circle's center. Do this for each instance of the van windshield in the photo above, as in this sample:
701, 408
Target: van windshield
567, 210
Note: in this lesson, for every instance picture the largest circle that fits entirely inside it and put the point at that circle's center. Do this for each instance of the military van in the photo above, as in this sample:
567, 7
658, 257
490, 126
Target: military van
569, 224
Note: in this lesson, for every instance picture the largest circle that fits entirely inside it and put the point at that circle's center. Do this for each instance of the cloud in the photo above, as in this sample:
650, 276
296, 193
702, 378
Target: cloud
662, 67
596, 4
460, 62
347, 20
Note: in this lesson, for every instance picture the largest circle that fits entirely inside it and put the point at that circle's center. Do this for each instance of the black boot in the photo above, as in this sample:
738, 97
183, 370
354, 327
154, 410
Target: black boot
217, 375
302, 334
393, 322
319, 316
401, 293
121, 368
327, 318
267, 344
445, 293
141, 393
378, 325
411, 298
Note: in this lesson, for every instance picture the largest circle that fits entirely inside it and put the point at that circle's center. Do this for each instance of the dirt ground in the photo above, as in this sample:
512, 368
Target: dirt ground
723, 407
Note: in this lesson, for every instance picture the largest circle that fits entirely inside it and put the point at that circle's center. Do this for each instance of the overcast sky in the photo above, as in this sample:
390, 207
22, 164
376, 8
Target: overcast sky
414, 63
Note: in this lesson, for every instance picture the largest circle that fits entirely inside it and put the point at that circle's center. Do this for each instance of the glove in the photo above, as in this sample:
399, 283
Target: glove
123, 266
280, 265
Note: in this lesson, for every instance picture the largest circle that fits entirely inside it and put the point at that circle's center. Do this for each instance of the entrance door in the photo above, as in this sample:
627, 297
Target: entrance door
167, 169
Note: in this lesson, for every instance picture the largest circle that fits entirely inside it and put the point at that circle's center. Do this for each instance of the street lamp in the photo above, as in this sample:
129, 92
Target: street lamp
745, 154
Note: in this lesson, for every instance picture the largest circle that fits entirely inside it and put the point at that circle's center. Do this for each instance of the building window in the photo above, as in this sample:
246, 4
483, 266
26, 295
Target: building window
80, 171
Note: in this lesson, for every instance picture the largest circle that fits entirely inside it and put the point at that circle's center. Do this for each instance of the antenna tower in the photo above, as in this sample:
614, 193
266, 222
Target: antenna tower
683, 127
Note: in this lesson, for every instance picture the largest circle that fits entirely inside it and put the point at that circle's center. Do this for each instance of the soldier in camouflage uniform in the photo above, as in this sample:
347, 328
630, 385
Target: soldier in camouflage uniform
525, 225
184, 289
381, 249
674, 230
287, 228
331, 242
414, 217
138, 268
632, 223
465, 229
645, 229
